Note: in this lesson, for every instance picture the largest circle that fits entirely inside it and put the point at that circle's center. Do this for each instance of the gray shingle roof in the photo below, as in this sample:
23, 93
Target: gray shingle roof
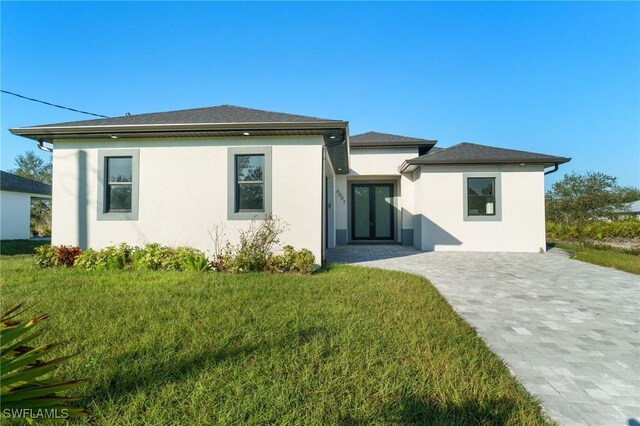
15, 183
471, 153
373, 139
217, 114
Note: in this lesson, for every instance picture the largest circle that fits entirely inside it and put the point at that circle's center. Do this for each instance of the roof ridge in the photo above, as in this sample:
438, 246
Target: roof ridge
217, 114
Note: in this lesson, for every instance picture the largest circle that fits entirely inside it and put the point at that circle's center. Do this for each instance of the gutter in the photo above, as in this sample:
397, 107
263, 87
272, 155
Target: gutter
41, 146
182, 127
555, 169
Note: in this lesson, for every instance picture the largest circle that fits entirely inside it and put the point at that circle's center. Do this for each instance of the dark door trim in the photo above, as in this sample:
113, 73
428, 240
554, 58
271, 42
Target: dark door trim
372, 213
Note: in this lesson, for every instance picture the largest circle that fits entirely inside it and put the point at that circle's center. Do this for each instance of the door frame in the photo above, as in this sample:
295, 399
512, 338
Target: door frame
392, 214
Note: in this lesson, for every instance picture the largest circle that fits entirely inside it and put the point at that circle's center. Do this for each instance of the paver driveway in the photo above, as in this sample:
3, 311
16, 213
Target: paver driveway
570, 331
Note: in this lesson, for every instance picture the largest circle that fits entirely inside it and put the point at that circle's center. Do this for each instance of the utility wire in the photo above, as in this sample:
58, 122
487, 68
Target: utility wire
53, 105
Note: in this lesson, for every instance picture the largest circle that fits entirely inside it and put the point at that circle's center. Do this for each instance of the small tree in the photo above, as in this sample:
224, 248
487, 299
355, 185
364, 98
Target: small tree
31, 166
588, 196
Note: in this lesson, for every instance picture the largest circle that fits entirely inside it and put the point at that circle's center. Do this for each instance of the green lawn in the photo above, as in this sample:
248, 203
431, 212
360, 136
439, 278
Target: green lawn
348, 345
604, 256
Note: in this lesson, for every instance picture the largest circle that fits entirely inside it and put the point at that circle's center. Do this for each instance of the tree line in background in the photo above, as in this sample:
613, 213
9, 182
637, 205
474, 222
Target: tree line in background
30, 166
587, 197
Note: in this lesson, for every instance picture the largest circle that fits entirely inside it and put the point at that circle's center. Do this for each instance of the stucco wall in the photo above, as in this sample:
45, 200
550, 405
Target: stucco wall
440, 191
183, 191
15, 214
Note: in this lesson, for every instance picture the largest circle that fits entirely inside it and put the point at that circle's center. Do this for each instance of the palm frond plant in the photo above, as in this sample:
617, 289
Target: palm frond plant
24, 391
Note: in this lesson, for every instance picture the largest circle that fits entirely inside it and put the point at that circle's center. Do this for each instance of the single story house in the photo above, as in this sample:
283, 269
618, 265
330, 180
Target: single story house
170, 177
16, 195
630, 210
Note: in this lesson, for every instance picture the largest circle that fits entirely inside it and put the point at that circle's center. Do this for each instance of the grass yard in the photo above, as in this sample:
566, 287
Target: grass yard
604, 256
345, 346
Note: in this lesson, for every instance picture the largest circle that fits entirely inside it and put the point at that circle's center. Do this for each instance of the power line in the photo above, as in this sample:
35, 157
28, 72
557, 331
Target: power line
53, 105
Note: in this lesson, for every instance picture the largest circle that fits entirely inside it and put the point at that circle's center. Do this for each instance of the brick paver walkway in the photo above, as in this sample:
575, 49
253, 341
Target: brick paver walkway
568, 330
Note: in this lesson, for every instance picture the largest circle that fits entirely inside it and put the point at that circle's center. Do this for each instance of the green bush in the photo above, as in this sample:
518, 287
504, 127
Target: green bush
87, 259
254, 253
626, 229
254, 249
152, 257
300, 261
45, 256
194, 261
54, 256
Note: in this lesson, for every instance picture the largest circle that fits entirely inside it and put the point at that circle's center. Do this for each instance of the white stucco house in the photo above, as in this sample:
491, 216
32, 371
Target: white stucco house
170, 177
16, 194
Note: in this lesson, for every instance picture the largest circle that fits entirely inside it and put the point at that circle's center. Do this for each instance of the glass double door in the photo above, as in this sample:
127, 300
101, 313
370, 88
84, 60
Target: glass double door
372, 211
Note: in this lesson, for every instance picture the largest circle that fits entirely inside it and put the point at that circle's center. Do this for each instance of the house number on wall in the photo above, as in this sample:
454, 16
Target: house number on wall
339, 194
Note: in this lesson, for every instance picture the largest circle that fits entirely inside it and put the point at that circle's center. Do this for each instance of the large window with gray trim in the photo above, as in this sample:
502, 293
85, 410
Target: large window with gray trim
249, 183
118, 180
482, 196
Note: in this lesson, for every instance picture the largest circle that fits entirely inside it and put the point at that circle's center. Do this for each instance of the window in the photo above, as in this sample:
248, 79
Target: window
481, 196
249, 183
119, 184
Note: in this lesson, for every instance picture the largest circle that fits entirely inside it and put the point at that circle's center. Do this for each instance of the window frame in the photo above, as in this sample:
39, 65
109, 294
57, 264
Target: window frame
103, 212
110, 184
497, 194
233, 185
239, 184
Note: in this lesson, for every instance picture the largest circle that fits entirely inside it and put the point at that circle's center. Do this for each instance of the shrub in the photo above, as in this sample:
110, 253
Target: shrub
305, 262
153, 257
52, 256
627, 229
301, 261
194, 261
88, 259
45, 256
67, 255
254, 249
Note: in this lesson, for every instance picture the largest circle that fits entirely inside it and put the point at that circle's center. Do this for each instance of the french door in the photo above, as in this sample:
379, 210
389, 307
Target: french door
372, 211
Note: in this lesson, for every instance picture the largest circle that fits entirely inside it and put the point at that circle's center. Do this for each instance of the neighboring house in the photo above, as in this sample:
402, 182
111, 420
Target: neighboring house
170, 177
16, 194
630, 210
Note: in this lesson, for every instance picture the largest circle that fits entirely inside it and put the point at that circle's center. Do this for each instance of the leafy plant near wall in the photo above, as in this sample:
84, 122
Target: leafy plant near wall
51, 256
24, 391
253, 251
195, 262
291, 260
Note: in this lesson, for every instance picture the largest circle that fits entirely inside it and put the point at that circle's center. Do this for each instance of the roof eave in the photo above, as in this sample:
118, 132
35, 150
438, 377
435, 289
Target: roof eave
546, 162
403, 144
57, 131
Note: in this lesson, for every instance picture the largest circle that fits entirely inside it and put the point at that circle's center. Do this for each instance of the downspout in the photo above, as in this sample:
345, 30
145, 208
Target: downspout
555, 169
41, 146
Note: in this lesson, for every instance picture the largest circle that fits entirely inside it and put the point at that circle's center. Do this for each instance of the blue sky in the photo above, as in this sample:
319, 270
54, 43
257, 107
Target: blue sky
556, 78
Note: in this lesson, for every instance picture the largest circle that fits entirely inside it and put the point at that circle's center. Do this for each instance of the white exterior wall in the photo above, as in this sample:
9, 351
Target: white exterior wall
372, 165
15, 215
440, 191
183, 192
